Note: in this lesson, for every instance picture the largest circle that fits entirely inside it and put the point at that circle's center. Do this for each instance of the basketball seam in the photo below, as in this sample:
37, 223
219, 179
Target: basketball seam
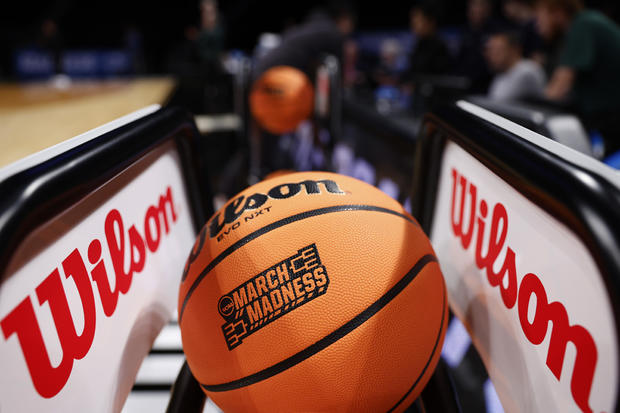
428, 362
274, 225
331, 338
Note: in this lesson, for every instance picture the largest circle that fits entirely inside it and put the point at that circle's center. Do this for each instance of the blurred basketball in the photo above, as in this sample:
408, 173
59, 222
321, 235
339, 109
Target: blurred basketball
281, 99
312, 292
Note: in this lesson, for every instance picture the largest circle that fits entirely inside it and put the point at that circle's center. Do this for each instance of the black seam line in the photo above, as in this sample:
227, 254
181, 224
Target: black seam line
329, 339
278, 224
441, 327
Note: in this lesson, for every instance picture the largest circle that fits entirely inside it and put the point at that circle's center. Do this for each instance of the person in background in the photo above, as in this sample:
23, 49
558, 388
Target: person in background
197, 63
588, 64
471, 62
522, 15
388, 72
430, 55
133, 42
210, 38
50, 40
516, 78
302, 48
303, 45
352, 76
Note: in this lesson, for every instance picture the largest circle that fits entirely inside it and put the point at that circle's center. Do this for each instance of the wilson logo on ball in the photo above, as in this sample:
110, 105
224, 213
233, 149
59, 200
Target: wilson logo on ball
273, 90
272, 293
237, 207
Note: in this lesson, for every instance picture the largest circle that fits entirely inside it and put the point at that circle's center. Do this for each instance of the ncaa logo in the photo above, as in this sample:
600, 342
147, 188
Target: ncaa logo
226, 306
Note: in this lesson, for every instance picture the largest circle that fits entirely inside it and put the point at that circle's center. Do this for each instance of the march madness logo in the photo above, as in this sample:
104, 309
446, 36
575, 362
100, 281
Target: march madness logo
274, 292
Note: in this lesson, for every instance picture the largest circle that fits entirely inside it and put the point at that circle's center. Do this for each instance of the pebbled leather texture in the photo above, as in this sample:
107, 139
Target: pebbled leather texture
307, 297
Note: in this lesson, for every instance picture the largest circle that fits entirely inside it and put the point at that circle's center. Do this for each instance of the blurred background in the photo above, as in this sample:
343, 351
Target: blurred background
550, 65
159, 29
143, 37
399, 57
388, 45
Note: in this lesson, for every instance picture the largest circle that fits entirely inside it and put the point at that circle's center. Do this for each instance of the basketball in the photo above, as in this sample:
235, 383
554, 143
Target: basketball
312, 291
281, 98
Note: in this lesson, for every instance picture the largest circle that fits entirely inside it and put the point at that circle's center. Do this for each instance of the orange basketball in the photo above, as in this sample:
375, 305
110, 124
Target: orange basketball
312, 292
281, 99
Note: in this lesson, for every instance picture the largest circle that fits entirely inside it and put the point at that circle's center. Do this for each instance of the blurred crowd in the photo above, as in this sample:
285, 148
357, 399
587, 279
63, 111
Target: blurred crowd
552, 52
555, 53
534, 49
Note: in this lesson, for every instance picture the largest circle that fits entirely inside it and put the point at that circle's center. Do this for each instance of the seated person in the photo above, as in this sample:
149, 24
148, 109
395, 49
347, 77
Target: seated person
470, 61
431, 55
210, 39
516, 78
352, 76
588, 65
388, 71
521, 15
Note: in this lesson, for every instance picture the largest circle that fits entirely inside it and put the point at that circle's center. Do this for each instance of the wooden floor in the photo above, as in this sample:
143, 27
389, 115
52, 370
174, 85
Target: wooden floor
36, 116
